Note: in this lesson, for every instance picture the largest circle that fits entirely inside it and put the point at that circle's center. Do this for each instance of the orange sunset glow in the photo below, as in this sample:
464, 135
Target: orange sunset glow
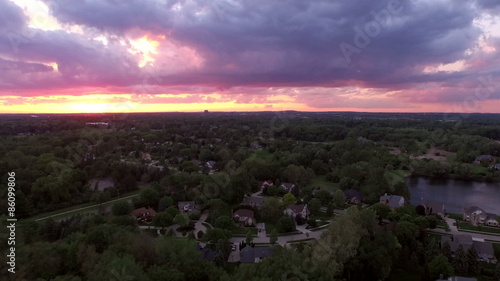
91, 57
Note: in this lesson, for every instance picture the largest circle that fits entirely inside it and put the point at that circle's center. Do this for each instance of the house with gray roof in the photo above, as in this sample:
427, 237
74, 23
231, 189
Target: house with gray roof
255, 254
485, 159
476, 215
297, 209
392, 201
353, 196
433, 207
288, 187
186, 206
253, 201
484, 250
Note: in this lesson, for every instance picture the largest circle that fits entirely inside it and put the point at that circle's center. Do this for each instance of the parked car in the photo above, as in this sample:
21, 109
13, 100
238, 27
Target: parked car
233, 247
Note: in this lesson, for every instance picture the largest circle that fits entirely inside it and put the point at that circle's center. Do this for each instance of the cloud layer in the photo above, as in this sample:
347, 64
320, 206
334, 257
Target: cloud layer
321, 53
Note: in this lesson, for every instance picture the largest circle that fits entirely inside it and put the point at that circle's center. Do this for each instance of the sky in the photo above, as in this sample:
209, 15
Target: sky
249, 55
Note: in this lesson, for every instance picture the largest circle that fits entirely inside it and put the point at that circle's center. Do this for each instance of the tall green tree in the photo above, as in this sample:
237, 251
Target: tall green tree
314, 206
440, 265
274, 237
249, 238
338, 198
121, 208
472, 261
270, 210
182, 220
460, 261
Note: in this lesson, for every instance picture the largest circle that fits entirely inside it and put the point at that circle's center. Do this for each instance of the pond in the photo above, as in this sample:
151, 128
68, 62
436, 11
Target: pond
456, 194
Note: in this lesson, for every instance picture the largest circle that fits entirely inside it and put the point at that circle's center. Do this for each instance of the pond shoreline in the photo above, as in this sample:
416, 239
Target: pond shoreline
455, 194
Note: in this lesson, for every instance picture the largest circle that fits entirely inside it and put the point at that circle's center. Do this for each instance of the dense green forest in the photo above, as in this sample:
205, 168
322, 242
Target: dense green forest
163, 158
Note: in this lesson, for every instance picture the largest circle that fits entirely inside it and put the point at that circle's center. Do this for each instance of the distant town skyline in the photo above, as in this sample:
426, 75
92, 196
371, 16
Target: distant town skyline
227, 55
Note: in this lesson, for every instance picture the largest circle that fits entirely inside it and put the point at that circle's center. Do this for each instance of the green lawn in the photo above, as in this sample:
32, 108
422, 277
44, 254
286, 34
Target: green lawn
441, 224
261, 154
455, 216
478, 169
321, 182
270, 227
467, 226
82, 208
496, 248
244, 230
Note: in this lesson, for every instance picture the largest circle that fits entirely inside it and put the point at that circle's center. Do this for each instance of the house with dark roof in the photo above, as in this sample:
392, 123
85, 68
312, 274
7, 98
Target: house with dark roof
144, 214
255, 254
392, 201
297, 209
485, 159
244, 217
433, 207
186, 206
353, 196
253, 201
264, 184
288, 187
484, 250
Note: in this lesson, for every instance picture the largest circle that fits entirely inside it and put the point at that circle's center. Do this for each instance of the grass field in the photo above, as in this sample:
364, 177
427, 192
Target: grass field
82, 208
261, 154
487, 229
321, 182
244, 231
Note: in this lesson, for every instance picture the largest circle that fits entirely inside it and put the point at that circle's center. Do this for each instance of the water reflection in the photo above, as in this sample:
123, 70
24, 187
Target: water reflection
456, 194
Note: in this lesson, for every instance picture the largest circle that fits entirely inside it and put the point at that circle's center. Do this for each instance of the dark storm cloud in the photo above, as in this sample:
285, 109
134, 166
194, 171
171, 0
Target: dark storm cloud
294, 42
377, 44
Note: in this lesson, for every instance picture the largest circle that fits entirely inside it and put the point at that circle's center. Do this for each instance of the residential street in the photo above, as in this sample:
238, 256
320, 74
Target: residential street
475, 236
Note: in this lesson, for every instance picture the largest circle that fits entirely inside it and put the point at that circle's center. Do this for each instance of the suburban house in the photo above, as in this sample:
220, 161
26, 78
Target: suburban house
476, 216
244, 217
288, 187
255, 254
353, 196
210, 165
255, 145
252, 201
263, 184
485, 159
433, 207
297, 209
392, 201
491, 220
495, 167
186, 206
144, 214
146, 156
484, 250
